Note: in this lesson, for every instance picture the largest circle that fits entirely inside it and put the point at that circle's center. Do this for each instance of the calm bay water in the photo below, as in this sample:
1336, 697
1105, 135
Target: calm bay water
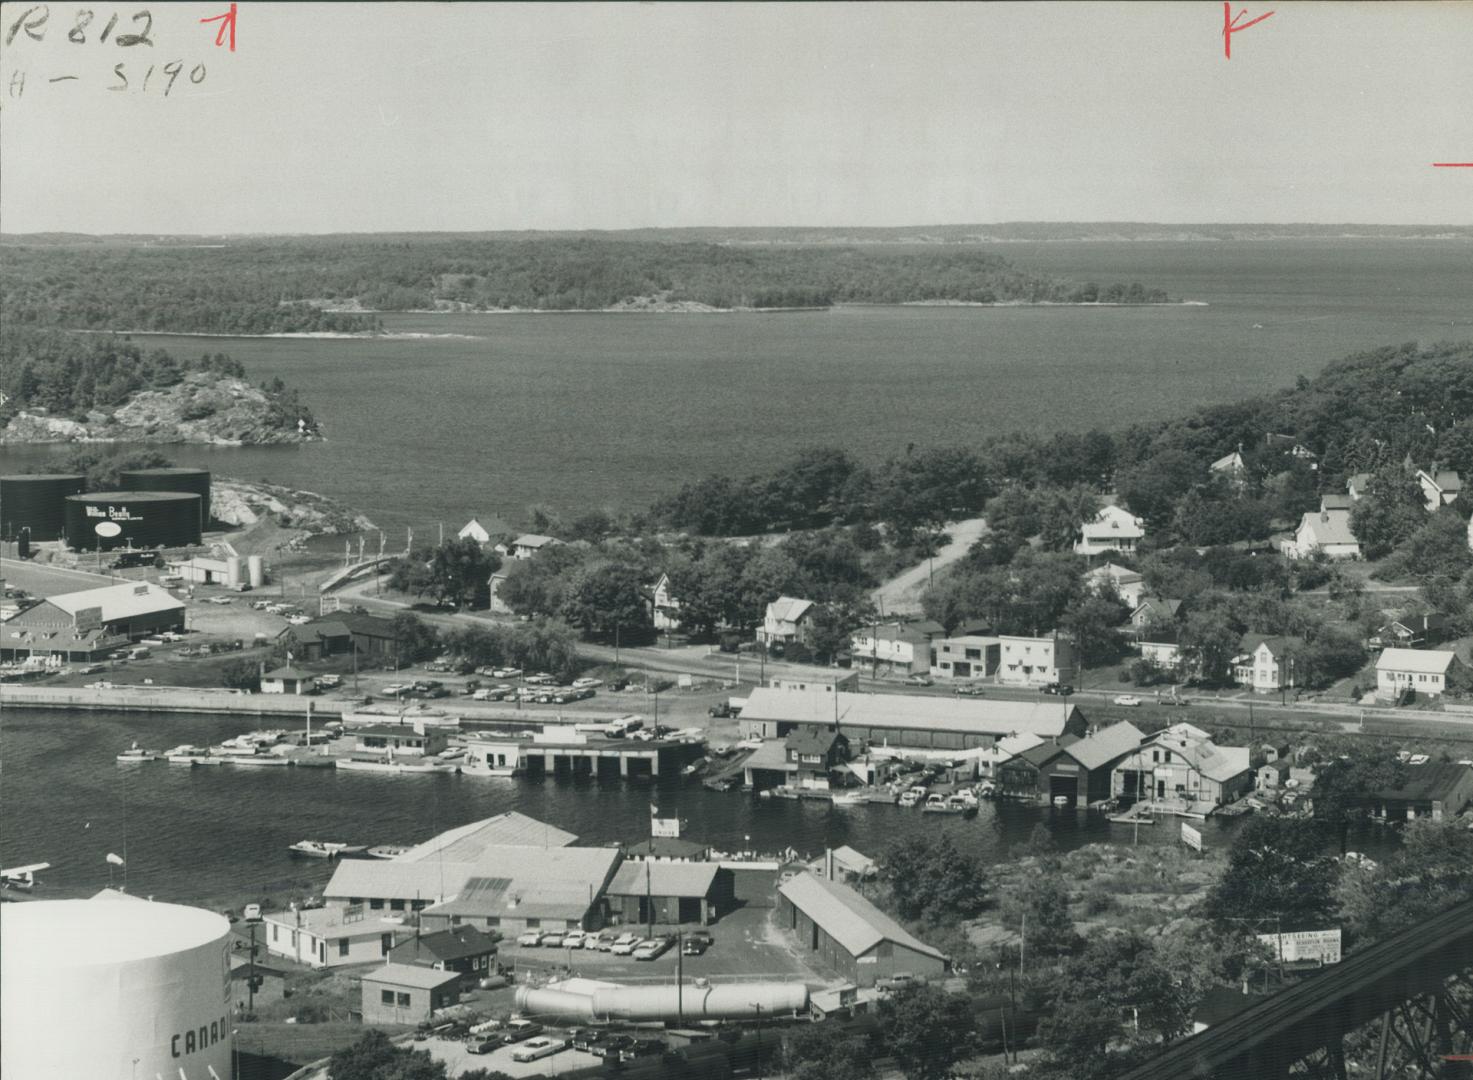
591, 410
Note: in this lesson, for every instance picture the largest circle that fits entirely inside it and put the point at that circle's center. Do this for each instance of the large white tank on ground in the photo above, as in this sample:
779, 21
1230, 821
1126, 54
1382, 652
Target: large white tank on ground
235, 571
256, 571
114, 988
584, 1000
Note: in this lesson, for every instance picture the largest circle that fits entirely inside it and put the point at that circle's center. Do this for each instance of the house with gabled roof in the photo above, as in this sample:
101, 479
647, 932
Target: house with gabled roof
815, 752
787, 621
1424, 670
1325, 532
1155, 610
1069, 771
664, 605
1265, 662
485, 530
1113, 529
1439, 487
1129, 585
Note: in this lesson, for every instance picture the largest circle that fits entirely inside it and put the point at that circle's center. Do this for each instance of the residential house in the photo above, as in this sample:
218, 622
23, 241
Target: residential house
1266, 662
1291, 447
339, 634
1232, 467
894, 648
850, 934
966, 656
1439, 487
788, 621
490, 530
1437, 790
1069, 771
1155, 611
407, 994
1182, 764
1424, 670
464, 950
1356, 486
496, 604
816, 752
1410, 632
526, 546
287, 680
1129, 585
329, 936
908, 720
1326, 532
990, 759
1162, 649
1113, 529
664, 605
1035, 661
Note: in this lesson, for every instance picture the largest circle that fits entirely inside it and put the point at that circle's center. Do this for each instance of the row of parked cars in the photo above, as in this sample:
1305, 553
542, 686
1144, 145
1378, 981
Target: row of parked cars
612, 941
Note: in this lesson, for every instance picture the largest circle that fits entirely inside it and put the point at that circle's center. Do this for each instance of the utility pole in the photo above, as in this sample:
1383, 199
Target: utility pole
251, 977
680, 977
758, 1007
1023, 945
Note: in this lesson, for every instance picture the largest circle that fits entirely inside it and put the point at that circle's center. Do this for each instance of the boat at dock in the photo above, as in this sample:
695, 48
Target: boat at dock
381, 766
857, 797
135, 754
936, 803
316, 849
191, 756
386, 851
254, 760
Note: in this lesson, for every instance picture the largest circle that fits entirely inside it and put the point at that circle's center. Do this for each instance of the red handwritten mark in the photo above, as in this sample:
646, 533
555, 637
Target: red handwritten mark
1453, 165
227, 23
1230, 26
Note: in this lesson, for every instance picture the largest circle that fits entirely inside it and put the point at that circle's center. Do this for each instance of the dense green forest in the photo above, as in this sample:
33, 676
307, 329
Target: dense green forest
1361, 414
257, 286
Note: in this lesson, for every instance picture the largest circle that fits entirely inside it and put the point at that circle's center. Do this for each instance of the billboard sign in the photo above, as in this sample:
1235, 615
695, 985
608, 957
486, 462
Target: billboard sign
664, 826
1302, 946
88, 618
1191, 837
107, 528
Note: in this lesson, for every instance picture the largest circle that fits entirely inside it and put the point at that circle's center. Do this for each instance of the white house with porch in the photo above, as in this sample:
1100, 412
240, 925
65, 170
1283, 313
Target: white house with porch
1423, 670
1113, 529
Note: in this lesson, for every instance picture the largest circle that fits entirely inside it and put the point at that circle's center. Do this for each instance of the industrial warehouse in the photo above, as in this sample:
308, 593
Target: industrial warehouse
87, 625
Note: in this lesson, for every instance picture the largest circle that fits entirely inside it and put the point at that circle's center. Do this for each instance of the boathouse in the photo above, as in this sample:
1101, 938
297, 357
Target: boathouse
671, 893
850, 934
399, 739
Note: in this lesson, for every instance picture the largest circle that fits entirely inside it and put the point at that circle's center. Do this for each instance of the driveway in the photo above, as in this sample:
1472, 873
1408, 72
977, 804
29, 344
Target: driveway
901, 595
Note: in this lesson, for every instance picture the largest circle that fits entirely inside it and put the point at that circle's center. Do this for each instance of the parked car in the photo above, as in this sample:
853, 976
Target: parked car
573, 939
654, 948
918, 680
530, 938
542, 678
643, 1048
624, 945
586, 1039
1127, 699
971, 690
482, 1046
898, 981
505, 673
697, 943
520, 1031
329, 681
540, 1047
610, 1047
1058, 689
552, 940
586, 683
251, 913
602, 941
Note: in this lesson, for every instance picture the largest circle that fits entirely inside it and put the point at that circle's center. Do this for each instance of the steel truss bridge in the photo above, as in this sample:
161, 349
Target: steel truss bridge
1399, 1010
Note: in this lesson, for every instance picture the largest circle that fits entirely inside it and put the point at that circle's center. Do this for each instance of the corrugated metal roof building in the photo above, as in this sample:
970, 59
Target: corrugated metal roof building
85, 625
850, 934
909, 719
671, 893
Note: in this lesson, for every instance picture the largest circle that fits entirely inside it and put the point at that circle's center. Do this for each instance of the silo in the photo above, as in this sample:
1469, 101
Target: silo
256, 571
195, 481
235, 571
38, 502
142, 519
114, 988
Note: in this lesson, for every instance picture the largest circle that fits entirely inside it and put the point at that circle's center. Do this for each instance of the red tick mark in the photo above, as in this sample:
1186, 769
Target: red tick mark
227, 23
1452, 164
1230, 26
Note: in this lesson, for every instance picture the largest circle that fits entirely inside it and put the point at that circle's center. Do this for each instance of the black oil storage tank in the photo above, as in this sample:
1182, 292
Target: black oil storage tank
142, 519
36, 501
196, 481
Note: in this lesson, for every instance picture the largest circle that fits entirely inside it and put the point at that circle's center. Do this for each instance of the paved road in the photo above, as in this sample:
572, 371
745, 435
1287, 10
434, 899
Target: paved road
901, 595
43, 579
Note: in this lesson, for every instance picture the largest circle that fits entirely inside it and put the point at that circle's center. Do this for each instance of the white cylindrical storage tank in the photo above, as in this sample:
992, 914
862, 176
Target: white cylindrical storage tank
542, 1004
235, 570
114, 988
741, 1001
256, 571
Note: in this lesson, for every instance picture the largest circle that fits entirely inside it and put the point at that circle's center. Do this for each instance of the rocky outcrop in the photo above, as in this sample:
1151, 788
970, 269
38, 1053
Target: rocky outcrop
201, 408
243, 503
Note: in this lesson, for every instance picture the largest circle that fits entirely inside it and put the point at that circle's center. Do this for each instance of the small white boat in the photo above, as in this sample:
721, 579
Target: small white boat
850, 798
254, 760
136, 753
386, 851
317, 849
356, 765
1062, 800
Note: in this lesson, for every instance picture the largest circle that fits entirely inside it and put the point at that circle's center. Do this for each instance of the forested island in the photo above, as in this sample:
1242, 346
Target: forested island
336, 284
60, 387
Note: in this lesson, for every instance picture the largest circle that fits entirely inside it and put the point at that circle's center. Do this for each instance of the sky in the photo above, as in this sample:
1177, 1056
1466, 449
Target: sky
370, 117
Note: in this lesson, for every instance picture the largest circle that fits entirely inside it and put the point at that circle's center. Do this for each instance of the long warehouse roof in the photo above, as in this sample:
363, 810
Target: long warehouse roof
913, 711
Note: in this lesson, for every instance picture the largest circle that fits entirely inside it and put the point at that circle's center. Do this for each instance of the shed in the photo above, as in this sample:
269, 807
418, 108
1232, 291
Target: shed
464, 950
287, 680
407, 993
671, 893
850, 934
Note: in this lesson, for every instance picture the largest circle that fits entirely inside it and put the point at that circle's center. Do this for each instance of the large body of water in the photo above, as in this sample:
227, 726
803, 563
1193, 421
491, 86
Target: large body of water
591, 410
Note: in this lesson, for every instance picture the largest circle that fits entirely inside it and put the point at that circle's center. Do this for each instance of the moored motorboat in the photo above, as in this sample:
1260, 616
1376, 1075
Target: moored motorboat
360, 765
316, 849
255, 760
850, 798
386, 851
136, 753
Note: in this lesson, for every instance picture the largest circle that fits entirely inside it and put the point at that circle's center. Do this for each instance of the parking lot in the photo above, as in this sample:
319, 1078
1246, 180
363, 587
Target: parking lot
458, 1059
